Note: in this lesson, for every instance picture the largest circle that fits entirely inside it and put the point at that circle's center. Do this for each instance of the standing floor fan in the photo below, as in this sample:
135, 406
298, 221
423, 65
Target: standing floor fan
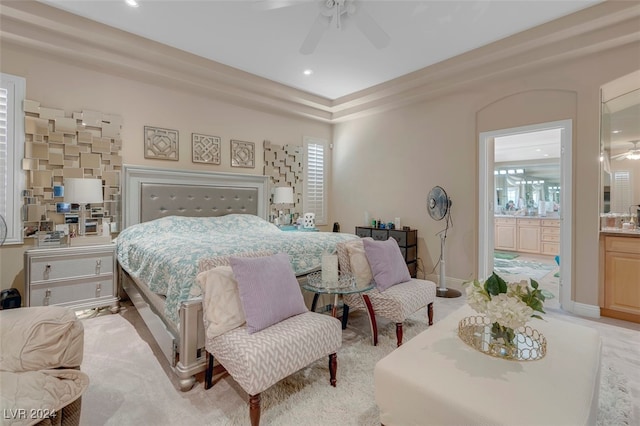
439, 207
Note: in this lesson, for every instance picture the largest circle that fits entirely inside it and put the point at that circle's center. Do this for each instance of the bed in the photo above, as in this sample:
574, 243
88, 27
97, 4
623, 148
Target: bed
172, 220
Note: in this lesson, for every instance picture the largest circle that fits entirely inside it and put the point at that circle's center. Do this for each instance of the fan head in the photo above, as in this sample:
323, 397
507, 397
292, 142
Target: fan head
438, 203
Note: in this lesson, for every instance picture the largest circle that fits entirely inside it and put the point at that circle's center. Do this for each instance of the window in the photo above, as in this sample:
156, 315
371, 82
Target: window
12, 94
621, 191
315, 178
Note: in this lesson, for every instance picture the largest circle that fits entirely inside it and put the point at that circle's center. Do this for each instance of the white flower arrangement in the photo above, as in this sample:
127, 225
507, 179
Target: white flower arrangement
507, 305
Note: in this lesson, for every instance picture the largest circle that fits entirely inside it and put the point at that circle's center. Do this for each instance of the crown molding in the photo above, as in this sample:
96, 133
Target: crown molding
59, 34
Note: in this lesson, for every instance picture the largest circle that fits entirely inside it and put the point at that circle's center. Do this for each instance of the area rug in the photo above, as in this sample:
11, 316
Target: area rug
525, 268
128, 385
503, 255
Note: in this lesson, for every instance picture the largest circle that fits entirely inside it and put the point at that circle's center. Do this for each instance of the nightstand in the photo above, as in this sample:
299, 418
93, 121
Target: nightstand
80, 277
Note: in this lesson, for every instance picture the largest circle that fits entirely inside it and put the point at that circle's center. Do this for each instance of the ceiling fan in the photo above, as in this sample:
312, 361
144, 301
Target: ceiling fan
632, 154
332, 13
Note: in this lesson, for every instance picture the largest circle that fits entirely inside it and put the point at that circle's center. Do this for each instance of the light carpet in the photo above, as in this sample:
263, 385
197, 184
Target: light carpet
128, 385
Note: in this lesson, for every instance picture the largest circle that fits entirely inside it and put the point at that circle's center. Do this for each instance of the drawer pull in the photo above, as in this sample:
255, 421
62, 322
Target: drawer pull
98, 265
47, 295
98, 289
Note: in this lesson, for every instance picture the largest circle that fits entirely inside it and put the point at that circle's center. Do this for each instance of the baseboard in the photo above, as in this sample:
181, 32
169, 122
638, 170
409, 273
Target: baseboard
585, 310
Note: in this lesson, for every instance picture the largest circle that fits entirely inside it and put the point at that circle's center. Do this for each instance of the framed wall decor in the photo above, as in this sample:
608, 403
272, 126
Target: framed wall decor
205, 149
243, 154
160, 144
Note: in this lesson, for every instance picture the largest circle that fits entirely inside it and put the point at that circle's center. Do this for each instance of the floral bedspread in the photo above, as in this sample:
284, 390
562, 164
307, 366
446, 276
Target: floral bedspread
164, 253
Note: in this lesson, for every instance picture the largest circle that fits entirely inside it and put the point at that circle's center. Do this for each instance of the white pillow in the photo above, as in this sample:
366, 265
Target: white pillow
221, 305
358, 262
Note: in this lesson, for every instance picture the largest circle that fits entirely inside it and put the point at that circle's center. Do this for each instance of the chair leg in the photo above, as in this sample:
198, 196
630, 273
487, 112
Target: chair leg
345, 316
254, 409
333, 367
430, 312
208, 374
315, 302
372, 319
399, 333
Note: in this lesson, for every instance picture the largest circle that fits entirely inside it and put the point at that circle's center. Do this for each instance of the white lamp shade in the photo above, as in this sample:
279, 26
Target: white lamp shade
83, 191
283, 195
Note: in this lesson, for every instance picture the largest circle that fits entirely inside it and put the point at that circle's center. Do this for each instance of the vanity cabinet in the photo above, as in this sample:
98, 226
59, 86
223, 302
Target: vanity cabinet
622, 277
528, 235
550, 236
505, 233
407, 241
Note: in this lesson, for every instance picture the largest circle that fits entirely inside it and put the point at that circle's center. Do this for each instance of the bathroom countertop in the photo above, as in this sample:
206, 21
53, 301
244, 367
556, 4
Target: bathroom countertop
621, 232
521, 216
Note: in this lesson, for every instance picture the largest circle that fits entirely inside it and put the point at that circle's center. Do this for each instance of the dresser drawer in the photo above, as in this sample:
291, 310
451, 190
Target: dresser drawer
404, 238
72, 292
551, 222
380, 234
409, 253
56, 267
363, 232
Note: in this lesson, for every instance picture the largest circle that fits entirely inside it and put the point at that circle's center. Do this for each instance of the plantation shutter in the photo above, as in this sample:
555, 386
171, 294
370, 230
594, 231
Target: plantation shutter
12, 92
621, 191
315, 195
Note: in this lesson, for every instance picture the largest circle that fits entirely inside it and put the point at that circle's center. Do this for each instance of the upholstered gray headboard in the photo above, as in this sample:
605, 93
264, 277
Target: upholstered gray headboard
150, 193
160, 200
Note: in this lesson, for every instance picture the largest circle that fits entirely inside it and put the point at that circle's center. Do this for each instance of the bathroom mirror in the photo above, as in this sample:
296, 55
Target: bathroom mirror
620, 145
528, 186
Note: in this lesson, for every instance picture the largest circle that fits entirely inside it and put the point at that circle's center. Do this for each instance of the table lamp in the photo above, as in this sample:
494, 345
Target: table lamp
283, 195
82, 192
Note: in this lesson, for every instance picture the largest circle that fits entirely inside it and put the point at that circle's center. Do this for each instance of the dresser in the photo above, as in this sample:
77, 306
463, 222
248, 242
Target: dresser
407, 241
76, 277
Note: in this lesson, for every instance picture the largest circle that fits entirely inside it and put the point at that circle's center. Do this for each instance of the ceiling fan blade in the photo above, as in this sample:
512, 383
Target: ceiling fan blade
320, 25
376, 35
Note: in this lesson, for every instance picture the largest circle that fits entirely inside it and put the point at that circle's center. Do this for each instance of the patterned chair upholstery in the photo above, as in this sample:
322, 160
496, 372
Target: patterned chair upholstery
395, 303
259, 360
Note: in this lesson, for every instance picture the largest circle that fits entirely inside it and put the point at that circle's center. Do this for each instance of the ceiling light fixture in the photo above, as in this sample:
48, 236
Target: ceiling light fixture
307, 72
132, 3
615, 132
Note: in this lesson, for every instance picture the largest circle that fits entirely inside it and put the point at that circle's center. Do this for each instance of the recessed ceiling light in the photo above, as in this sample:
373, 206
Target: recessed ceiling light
307, 72
616, 131
132, 3
538, 150
545, 155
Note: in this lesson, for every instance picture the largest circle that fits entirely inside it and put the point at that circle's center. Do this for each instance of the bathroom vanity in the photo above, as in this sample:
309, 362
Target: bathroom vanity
620, 274
527, 234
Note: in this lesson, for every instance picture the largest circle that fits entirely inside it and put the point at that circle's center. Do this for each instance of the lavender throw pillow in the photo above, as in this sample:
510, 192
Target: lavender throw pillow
269, 290
386, 261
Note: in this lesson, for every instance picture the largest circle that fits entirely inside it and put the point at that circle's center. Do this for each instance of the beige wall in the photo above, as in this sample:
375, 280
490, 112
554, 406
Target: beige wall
57, 84
386, 164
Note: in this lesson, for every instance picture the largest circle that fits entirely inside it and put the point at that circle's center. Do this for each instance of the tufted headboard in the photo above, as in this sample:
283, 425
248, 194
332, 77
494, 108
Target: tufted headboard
151, 193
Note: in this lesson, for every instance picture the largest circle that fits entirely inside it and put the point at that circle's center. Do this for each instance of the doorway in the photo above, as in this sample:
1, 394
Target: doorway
534, 197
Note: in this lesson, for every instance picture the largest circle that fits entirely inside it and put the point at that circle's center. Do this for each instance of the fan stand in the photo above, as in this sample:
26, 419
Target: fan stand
442, 290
